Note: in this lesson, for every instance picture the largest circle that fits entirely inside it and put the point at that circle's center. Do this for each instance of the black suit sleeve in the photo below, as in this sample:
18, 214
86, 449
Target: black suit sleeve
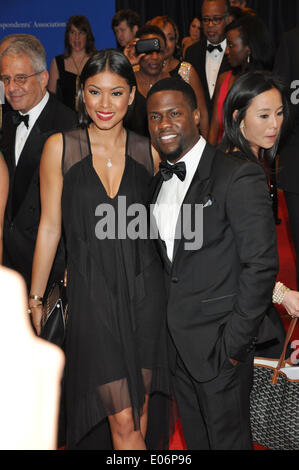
249, 211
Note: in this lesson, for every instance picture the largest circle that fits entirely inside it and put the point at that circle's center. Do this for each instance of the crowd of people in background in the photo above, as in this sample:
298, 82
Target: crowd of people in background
163, 121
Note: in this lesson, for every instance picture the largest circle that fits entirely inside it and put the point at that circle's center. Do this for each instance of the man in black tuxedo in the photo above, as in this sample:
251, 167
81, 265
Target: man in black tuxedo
287, 67
216, 236
34, 116
208, 54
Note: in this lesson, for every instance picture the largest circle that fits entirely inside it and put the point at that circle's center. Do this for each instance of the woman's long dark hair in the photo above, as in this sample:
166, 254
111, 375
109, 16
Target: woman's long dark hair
239, 98
82, 24
107, 59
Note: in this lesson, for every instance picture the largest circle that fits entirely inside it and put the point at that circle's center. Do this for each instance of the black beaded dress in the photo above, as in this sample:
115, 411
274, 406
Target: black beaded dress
116, 333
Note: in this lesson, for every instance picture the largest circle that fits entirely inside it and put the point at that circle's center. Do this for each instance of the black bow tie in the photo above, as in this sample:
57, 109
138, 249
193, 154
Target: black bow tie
211, 48
17, 118
167, 170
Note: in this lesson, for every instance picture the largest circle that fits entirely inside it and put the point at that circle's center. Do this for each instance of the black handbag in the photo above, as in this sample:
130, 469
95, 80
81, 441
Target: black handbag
54, 317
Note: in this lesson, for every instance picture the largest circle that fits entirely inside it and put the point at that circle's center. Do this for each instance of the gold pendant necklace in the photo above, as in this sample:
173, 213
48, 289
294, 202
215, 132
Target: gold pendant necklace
109, 163
78, 69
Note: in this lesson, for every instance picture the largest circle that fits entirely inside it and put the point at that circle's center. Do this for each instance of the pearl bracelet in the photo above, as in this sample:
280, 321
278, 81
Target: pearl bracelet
279, 292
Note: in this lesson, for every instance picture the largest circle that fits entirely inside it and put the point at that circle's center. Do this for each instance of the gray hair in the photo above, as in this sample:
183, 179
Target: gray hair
25, 44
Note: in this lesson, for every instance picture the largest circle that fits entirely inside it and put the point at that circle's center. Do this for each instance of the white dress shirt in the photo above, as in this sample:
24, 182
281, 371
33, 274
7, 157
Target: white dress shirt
213, 62
172, 195
22, 132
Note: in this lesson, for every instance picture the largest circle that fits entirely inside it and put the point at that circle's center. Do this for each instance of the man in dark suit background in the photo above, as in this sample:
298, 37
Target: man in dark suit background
220, 270
208, 55
34, 116
287, 67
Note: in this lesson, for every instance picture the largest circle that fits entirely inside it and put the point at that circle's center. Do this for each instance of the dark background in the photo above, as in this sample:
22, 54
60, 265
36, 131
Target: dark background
278, 15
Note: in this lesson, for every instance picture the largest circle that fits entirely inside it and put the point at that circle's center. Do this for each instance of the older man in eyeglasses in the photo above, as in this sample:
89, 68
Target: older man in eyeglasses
207, 56
33, 115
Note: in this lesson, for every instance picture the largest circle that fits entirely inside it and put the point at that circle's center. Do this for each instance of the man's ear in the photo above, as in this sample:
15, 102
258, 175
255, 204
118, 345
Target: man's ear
196, 114
44, 78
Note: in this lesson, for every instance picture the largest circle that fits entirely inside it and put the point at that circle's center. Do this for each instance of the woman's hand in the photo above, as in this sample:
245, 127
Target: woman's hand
130, 53
291, 303
36, 313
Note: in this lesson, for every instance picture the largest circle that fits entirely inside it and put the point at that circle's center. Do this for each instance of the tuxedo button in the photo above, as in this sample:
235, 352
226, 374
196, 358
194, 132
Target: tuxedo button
175, 280
11, 226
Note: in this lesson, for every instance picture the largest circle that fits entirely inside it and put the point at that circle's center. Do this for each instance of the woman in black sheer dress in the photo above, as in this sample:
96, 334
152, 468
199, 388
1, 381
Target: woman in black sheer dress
115, 347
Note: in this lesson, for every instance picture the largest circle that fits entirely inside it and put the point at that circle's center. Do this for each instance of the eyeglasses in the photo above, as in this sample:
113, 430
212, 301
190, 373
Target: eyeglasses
214, 19
18, 79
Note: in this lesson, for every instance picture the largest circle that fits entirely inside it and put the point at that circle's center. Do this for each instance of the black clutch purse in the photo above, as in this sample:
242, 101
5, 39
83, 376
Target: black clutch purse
55, 314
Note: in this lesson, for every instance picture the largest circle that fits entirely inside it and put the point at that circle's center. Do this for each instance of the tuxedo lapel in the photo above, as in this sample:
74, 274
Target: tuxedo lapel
157, 183
202, 66
8, 150
156, 186
224, 66
25, 169
29, 159
196, 193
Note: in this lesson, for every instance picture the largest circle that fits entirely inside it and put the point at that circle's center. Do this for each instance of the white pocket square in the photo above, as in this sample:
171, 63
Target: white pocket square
208, 203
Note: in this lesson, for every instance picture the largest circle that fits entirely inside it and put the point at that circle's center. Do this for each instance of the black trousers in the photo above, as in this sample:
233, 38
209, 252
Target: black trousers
215, 415
292, 201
